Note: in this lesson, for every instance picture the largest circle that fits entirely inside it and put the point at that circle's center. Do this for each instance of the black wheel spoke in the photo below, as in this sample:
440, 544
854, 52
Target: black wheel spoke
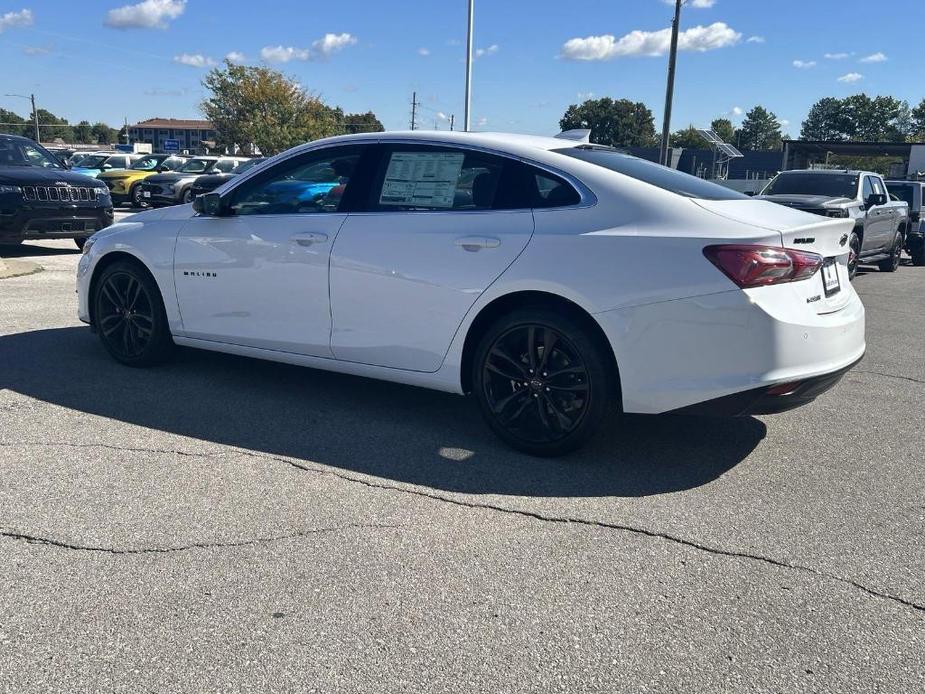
127, 321
112, 294
536, 384
116, 322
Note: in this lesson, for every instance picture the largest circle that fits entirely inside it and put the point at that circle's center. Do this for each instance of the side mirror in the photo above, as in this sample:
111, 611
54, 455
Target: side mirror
107, 166
875, 199
161, 168
209, 204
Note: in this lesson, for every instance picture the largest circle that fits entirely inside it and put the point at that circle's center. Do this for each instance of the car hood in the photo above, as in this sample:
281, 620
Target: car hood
171, 177
214, 179
803, 200
33, 175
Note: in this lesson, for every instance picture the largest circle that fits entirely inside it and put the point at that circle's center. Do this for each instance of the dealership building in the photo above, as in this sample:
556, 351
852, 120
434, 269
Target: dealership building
191, 134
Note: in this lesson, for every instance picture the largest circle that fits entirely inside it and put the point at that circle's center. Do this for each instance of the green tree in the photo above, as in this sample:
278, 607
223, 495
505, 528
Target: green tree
724, 128
828, 119
621, 123
83, 133
918, 122
760, 130
688, 138
260, 106
54, 128
12, 123
102, 134
362, 123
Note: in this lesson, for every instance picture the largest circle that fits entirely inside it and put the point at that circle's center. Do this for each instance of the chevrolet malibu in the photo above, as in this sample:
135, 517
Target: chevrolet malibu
559, 282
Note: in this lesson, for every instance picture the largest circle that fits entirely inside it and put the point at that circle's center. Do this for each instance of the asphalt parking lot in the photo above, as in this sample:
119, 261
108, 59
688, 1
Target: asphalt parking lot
220, 524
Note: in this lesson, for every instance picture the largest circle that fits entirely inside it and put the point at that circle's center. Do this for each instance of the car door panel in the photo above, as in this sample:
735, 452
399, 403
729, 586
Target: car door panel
402, 282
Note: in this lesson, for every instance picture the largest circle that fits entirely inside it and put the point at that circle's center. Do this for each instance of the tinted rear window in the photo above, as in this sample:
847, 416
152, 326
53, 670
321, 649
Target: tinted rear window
652, 173
830, 185
904, 192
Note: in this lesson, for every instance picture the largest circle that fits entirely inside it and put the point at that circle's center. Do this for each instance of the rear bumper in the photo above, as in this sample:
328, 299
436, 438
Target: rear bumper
768, 399
676, 355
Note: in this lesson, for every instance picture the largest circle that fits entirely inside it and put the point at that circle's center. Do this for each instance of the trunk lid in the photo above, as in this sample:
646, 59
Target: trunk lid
800, 231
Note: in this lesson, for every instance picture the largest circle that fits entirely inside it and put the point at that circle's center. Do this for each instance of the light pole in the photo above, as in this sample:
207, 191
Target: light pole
35, 114
669, 92
469, 66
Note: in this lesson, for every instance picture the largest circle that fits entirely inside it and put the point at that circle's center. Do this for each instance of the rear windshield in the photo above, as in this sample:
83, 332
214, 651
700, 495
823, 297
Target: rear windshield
827, 185
903, 191
652, 173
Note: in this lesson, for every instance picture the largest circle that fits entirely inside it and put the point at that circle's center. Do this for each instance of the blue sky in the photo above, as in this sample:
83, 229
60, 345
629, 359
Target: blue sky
108, 59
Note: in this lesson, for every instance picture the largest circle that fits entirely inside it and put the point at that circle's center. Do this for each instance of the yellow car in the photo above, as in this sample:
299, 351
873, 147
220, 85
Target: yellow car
123, 183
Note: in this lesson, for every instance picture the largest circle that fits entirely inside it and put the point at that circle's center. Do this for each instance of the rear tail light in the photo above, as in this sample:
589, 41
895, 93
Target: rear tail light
760, 266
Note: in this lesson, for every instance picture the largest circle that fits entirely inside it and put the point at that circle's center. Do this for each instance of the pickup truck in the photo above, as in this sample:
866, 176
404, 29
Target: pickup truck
879, 222
913, 192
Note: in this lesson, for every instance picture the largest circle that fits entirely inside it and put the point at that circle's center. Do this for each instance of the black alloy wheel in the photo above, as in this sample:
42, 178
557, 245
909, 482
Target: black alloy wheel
137, 199
892, 263
129, 316
188, 196
854, 254
542, 382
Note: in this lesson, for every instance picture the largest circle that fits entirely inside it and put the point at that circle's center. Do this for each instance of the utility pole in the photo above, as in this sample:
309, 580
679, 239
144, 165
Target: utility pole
452, 120
669, 92
35, 116
414, 110
469, 65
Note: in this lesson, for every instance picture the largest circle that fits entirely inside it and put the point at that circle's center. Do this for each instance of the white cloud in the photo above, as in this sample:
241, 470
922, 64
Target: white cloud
36, 50
491, 50
650, 43
755, 39
702, 4
784, 122
481, 122
424, 51
804, 64
193, 60
877, 57
235, 57
280, 54
149, 14
23, 18
851, 77
584, 96
836, 56
737, 111
332, 43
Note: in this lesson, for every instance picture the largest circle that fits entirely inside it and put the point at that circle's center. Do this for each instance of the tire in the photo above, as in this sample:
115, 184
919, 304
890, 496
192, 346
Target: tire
129, 315
918, 258
543, 405
854, 244
135, 196
187, 196
81, 241
891, 264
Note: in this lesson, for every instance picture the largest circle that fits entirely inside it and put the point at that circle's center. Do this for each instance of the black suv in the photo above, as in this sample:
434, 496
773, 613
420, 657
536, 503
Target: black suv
41, 199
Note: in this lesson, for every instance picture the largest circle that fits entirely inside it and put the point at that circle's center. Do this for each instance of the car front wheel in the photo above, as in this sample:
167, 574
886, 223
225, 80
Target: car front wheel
543, 382
137, 199
854, 254
129, 316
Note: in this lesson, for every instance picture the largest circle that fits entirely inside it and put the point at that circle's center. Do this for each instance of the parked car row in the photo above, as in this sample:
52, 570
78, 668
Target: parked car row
886, 215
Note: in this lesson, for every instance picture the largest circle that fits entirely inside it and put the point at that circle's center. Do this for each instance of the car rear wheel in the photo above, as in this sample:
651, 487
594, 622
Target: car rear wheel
854, 254
187, 196
891, 264
543, 382
129, 316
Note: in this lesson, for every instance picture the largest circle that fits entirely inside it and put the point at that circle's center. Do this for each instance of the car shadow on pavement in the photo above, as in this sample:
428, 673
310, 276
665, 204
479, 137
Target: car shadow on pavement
390, 431
29, 250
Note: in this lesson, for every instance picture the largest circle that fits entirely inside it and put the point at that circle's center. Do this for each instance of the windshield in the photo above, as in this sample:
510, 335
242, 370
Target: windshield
196, 166
903, 191
21, 153
244, 166
651, 173
147, 164
93, 161
827, 185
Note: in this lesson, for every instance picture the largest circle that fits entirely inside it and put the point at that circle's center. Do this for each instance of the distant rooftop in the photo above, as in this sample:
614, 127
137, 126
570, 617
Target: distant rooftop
174, 123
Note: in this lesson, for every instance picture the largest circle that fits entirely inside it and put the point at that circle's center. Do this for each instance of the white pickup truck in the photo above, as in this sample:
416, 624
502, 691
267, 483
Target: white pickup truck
880, 223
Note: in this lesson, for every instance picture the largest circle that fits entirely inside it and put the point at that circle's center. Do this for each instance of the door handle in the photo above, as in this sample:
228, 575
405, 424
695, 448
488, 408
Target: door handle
308, 238
477, 243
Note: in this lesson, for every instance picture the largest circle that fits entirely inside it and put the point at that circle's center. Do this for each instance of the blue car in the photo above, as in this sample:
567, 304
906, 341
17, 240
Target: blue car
94, 164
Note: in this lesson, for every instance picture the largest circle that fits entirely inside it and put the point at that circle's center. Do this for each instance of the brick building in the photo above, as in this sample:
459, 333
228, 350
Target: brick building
190, 133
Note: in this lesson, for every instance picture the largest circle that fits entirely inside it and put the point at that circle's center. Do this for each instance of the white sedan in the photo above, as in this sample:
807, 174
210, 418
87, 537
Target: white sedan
558, 282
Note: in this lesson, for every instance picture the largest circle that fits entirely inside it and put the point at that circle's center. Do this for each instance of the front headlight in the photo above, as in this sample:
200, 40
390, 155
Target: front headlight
88, 244
15, 190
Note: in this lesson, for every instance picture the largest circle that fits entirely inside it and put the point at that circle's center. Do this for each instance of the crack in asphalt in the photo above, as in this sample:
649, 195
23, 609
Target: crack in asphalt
38, 540
534, 515
886, 375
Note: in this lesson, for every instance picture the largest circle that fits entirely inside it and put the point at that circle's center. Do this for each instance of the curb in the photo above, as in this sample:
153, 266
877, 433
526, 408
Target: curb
17, 268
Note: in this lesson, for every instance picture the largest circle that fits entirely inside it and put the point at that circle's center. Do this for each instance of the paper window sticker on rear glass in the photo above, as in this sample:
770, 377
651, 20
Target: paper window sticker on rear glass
422, 179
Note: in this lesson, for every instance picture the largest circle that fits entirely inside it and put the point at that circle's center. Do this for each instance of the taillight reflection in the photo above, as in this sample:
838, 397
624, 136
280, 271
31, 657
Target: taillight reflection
760, 266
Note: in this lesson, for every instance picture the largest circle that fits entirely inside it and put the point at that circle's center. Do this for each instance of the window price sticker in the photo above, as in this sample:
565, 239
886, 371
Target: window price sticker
422, 179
